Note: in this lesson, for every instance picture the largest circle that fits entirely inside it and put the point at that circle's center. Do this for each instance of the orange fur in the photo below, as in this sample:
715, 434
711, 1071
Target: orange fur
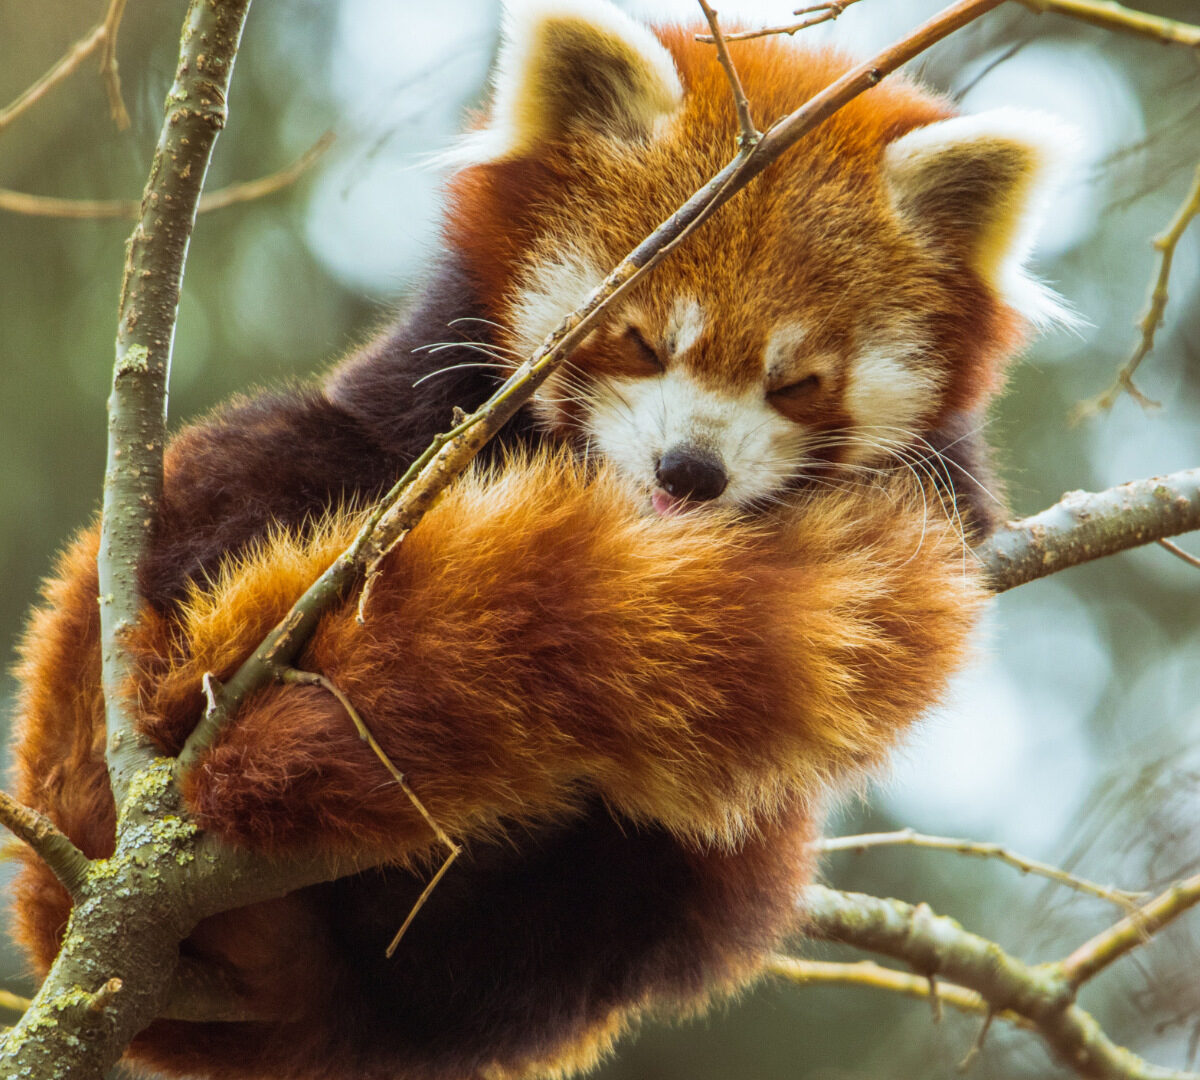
630, 721
564, 643
814, 238
533, 640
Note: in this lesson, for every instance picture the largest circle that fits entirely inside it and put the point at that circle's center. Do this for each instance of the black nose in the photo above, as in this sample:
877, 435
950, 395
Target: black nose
688, 473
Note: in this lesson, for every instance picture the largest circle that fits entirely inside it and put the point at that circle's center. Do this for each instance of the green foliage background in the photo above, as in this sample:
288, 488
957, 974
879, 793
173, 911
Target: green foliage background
1103, 657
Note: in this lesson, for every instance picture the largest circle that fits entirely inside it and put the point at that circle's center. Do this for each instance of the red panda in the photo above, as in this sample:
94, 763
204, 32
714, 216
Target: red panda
628, 713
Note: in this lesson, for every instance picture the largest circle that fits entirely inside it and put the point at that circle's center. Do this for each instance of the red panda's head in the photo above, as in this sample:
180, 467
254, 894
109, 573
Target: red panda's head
862, 289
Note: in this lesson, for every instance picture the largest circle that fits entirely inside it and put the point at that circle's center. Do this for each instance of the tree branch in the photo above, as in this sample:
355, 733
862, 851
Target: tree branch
870, 974
749, 133
103, 37
108, 64
1083, 526
19, 202
1113, 16
909, 838
826, 13
1179, 553
935, 946
69, 864
62, 68
1152, 317
157, 250
1134, 930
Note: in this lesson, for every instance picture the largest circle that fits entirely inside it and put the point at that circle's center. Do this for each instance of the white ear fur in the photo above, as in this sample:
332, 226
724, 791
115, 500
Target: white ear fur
986, 181
569, 65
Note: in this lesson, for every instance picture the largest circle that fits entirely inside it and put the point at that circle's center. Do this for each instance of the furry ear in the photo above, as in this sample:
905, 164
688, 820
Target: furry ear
981, 184
567, 67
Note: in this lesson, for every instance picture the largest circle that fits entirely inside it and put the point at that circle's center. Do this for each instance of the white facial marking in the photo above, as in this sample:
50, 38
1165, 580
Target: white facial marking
551, 290
633, 422
887, 393
685, 326
783, 345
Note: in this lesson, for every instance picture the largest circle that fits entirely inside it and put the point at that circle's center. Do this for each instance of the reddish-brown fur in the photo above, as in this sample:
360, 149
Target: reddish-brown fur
815, 237
534, 644
629, 721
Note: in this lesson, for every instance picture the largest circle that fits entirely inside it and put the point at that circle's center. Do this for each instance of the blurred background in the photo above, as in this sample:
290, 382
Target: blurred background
1071, 739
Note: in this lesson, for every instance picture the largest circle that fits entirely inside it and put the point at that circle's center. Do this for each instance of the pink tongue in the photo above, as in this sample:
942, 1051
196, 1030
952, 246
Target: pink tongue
666, 505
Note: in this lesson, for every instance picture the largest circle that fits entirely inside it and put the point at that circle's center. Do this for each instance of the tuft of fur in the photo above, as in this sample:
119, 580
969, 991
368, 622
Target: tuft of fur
631, 722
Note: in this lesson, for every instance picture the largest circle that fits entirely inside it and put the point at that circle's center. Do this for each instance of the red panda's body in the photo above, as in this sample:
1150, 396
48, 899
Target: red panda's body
628, 720
628, 715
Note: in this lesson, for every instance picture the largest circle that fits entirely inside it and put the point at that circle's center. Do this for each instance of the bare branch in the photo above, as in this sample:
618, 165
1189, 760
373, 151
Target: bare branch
108, 65
827, 13
69, 864
75, 56
13, 1002
749, 133
1114, 16
18, 202
1152, 317
195, 114
1083, 526
870, 974
103, 37
1134, 930
1177, 551
936, 946
312, 678
977, 849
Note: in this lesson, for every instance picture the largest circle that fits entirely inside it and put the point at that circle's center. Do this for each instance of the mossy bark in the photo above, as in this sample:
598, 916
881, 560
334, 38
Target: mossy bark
156, 253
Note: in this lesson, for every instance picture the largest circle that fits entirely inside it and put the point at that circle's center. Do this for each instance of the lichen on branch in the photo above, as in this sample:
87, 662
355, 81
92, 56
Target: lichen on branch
157, 250
1083, 526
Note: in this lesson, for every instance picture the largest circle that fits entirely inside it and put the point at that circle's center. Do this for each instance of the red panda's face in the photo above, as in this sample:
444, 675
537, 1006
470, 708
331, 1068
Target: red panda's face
820, 324
693, 407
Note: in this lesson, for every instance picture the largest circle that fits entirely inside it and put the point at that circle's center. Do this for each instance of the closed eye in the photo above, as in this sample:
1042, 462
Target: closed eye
646, 352
802, 388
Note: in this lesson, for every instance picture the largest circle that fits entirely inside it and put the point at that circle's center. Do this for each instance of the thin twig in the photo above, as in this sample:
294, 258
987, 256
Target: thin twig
75, 56
108, 65
18, 202
394, 944
13, 1002
103, 37
977, 1046
1152, 317
313, 678
1176, 550
909, 838
828, 13
69, 864
749, 133
870, 974
103, 998
1133, 930
1114, 16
